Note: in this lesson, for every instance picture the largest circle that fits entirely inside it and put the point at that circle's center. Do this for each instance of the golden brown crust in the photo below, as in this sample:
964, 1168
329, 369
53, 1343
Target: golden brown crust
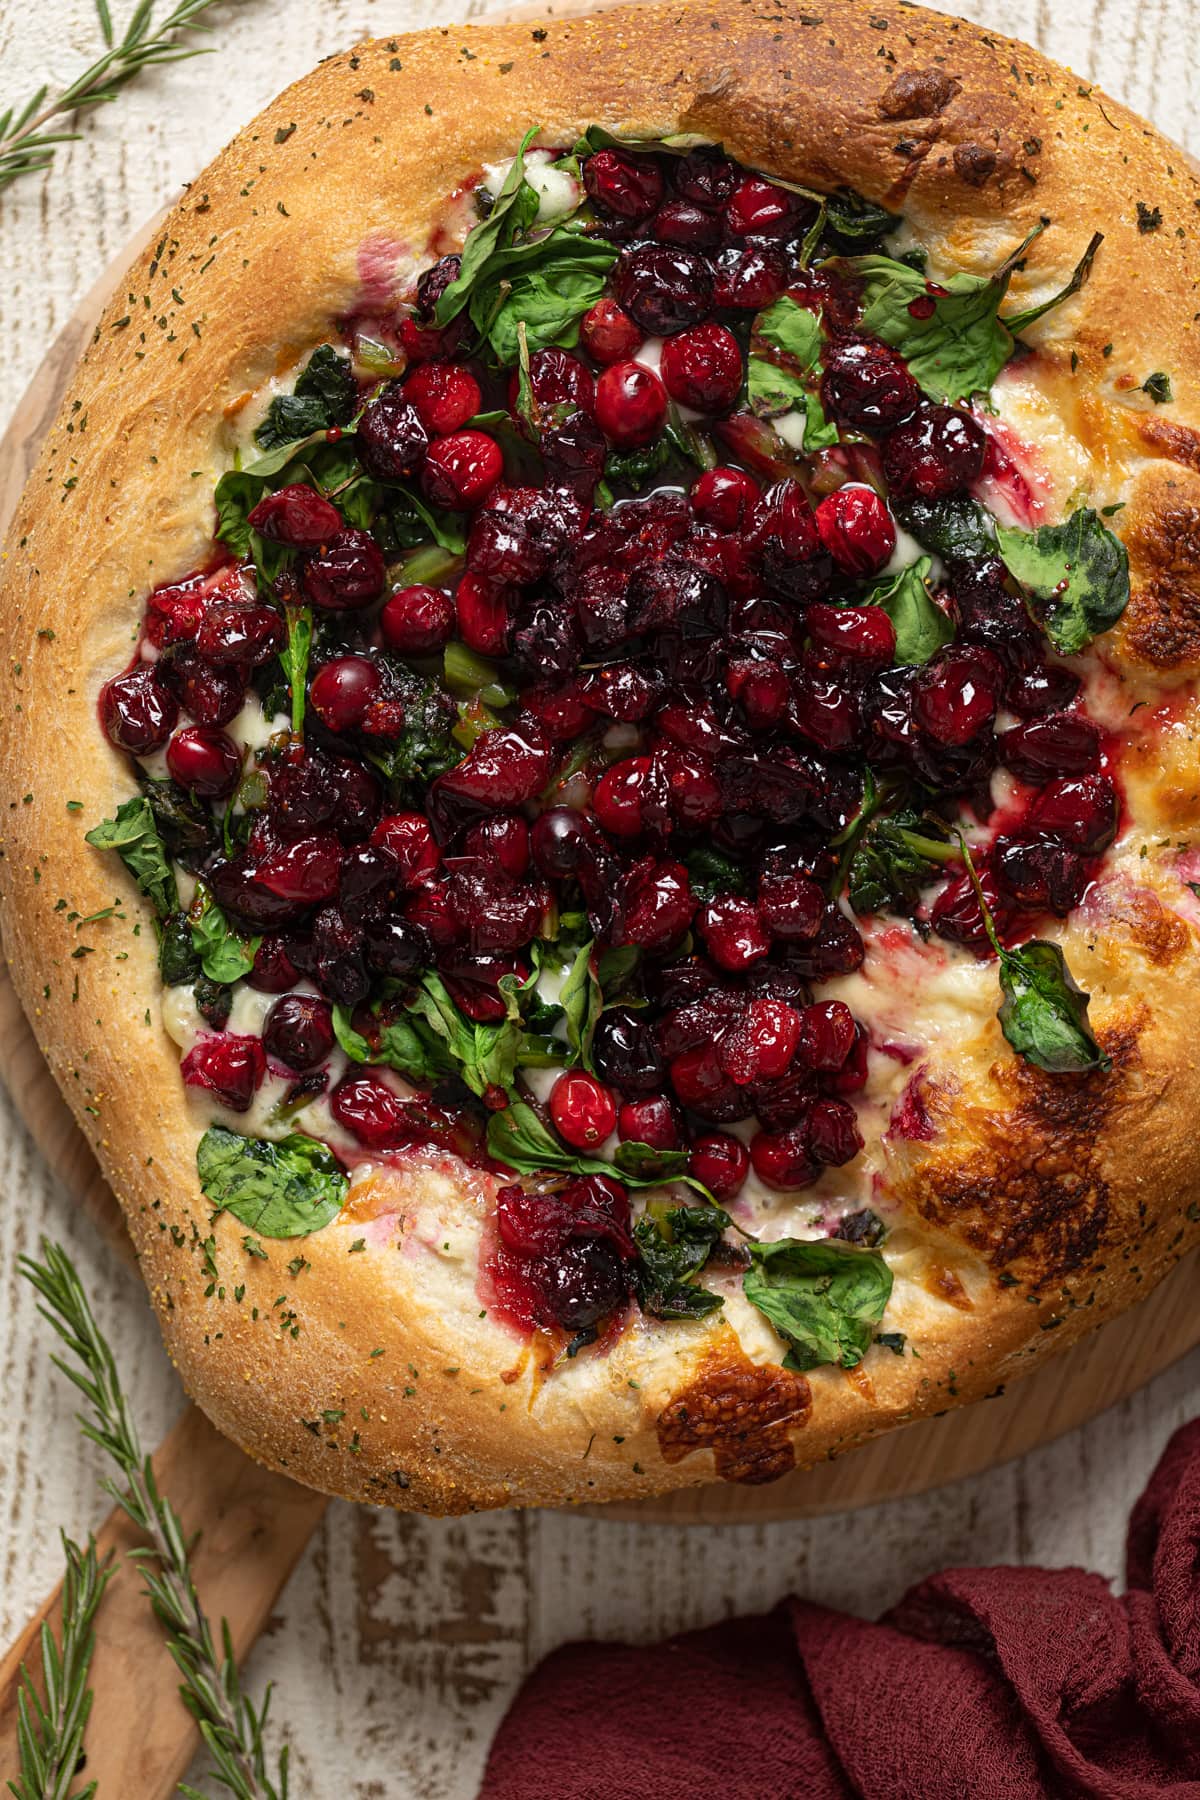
374, 1375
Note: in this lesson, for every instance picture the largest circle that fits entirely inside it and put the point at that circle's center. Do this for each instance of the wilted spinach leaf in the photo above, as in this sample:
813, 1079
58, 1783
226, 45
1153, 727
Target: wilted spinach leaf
673, 1244
278, 1190
1077, 573
895, 858
325, 394
224, 955
922, 629
1044, 1011
823, 1297
134, 836
784, 369
956, 530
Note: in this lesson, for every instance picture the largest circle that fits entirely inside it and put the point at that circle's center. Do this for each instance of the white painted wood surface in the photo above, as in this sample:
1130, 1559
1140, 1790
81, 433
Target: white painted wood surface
399, 1640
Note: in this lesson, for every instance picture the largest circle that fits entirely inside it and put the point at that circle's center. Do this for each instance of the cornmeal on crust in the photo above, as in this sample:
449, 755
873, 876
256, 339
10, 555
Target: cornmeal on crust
1037, 1205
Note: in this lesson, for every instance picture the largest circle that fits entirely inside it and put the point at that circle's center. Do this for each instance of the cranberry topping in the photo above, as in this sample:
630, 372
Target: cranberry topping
631, 404
461, 470
137, 711
702, 368
609, 334
445, 396
417, 620
939, 451
298, 1031
346, 572
230, 1067
296, 515
623, 186
663, 288
204, 760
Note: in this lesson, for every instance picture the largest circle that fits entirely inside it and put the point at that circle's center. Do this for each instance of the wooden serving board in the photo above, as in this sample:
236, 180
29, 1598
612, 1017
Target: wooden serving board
1111, 1364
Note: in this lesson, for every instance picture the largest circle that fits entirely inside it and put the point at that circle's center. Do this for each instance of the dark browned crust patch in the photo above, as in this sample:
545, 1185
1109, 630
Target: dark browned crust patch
744, 1414
1162, 621
1030, 1193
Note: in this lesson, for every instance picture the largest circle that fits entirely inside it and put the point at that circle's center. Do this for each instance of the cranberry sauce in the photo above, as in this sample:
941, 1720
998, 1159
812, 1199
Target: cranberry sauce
607, 651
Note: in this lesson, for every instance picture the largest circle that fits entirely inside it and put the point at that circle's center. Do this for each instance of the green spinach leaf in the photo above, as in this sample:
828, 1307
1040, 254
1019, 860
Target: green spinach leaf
895, 858
673, 1244
1044, 1011
517, 1138
285, 1189
582, 1001
922, 629
784, 368
514, 209
325, 394
1076, 572
823, 1297
224, 955
178, 963
133, 834
956, 530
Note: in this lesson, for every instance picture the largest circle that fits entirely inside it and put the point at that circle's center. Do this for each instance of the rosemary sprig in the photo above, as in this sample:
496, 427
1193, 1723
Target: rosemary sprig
25, 144
231, 1726
50, 1732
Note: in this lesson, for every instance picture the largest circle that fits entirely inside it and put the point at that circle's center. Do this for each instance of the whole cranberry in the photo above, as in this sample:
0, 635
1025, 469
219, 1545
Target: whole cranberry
213, 696
956, 913
827, 1034
665, 289
833, 1134
690, 226
461, 470
693, 791
342, 690
867, 385
856, 528
760, 1044
561, 383
1030, 693
631, 404
608, 333
359, 798
417, 620
174, 612
433, 282
1059, 744
396, 946
205, 761
369, 884
790, 906
762, 689
956, 695
656, 903
860, 635
296, 515
784, 1160
240, 633
625, 1053
584, 1112
273, 971
721, 1162
391, 437
410, 839
338, 966
298, 1031
733, 933
583, 1284
137, 711
783, 534
705, 176
1040, 874
445, 396
367, 1107
561, 840
749, 280
503, 839
305, 871
758, 208
826, 710
347, 573
1081, 812
228, 1066
623, 186
702, 368
938, 452
699, 1080
654, 1121
482, 615
618, 799
724, 497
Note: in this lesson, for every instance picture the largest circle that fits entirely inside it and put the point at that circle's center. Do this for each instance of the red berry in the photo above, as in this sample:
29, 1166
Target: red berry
306, 871
342, 690
760, 1044
783, 1160
410, 839
502, 839
684, 223
748, 280
174, 613
348, 572
561, 383
1080, 812
724, 497
631, 404
758, 208
856, 528
205, 761
956, 914
867, 385
298, 1031
665, 289
761, 688
228, 1066
791, 906
461, 471
296, 515
366, 1106
955, 696
698, 1077
445, 395
418, 620
584, 1113
1059, 744
937, 453
617, 799
137, 711
481, 611
657, 904
609, 334
654, 1121
827, 1035
863, 635
240, 634
733, 933
833, 1133
623, 186
702, 368
721, 1162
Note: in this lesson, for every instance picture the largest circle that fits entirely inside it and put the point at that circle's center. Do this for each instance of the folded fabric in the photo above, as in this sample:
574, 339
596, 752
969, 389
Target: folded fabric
982, 1684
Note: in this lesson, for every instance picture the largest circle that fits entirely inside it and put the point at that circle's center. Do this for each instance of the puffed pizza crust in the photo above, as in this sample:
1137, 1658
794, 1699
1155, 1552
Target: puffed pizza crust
1044, 1204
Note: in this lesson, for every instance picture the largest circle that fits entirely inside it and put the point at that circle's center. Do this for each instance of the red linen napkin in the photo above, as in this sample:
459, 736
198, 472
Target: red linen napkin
982, 1684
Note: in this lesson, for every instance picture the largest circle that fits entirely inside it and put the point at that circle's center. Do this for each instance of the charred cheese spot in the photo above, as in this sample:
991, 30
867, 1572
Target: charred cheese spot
744, 1414
1162, 622
1030, 1192
918, 94
974, 163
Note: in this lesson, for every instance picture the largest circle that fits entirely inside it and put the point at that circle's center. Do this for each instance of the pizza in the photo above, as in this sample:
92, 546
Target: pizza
599, 767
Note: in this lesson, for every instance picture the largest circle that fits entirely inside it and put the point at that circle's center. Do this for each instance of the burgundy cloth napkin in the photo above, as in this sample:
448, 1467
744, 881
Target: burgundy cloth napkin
982, 1684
